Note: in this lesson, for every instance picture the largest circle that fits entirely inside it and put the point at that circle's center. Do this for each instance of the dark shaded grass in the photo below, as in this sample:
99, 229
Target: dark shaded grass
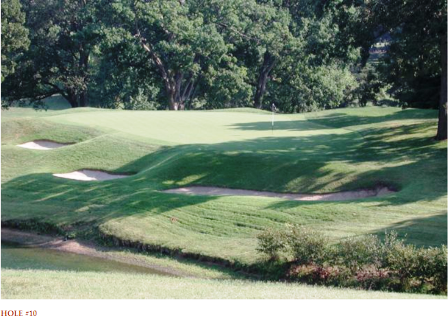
132, 209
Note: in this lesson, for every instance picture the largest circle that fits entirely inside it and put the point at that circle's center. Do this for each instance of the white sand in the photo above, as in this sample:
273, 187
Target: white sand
216, 191
89, 175
43, 145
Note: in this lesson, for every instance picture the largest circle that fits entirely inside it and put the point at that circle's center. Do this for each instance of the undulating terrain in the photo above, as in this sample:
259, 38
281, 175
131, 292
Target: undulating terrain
323, 152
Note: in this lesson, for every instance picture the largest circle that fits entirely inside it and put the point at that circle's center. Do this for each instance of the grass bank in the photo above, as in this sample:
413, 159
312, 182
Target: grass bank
38, 284
321, 152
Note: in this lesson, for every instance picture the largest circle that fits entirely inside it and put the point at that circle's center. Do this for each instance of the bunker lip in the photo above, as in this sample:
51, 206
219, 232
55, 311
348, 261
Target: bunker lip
336, 196
43, 144
90, 175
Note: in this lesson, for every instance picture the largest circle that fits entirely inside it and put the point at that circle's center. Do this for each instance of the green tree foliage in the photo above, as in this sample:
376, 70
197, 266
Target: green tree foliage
265, 40
63, 37
183, 44
220, 54
321, 53
303, 88
123, 77
184, 54
415, 64
202, 54
413, 61
370, 86
14, 35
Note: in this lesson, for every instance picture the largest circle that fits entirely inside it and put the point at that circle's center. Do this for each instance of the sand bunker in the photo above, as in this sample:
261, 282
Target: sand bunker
43, 145
90, 175
345, 195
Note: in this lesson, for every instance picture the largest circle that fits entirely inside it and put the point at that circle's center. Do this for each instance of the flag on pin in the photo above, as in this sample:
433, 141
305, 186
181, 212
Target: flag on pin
273, 109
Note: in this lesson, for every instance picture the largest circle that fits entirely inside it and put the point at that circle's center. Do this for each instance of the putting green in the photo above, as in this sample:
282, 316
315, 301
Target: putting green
198, 127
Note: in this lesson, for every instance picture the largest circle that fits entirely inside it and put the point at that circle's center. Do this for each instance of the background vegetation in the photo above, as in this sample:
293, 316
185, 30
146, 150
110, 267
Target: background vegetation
198, 57
196, 54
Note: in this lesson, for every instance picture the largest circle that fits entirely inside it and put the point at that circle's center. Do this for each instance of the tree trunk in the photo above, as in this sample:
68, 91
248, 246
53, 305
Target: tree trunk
84, 63
266, 68
174, 103
83, 99
442, 124
71, 98
178, 94
76, 100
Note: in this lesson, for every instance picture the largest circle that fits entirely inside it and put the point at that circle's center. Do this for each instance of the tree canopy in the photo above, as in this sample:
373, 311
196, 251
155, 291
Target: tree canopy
14, 35
63, 35
303, 55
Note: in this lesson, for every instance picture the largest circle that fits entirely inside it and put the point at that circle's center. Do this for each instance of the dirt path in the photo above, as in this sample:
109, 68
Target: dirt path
345, 195
34, 240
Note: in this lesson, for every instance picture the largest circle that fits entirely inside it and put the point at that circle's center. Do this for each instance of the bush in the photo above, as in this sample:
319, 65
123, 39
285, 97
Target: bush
307, 246
418, 267
374, 279
357, 252
303, 245
270, 242
402, 260
432, 263
317, 274
364, 262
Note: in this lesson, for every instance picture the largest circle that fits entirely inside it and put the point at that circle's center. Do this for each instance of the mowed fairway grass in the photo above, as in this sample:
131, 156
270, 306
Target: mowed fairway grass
328, 151
33, 284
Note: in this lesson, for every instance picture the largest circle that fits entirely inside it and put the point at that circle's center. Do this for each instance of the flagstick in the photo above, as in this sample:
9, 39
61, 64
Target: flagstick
273, 121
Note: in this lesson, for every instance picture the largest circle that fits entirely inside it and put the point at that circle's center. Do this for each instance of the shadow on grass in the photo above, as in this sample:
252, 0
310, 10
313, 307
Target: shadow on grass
337, 120
282, 164
268, 164
420, 231
15, 256
341, 120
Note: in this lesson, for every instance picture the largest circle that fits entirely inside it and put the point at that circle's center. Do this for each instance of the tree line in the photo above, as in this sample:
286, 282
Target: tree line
302, 55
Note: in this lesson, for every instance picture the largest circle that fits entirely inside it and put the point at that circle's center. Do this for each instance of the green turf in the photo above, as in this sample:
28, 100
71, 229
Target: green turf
16, 257
47, 284
44, 273
317, 152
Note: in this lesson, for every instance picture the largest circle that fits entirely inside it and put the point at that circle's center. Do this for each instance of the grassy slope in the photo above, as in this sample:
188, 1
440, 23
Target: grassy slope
42, 284
43, 274
318, 152
118, 261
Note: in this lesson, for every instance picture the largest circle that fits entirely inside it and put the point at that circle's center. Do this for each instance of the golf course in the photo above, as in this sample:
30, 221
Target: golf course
210, 235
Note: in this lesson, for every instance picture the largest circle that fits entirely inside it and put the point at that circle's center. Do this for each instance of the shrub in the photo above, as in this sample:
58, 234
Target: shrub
317, 274
303, 245
307, 246
357, 252
416, 267
364, 262
374, 279
402, 259
270, 243
435, 264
